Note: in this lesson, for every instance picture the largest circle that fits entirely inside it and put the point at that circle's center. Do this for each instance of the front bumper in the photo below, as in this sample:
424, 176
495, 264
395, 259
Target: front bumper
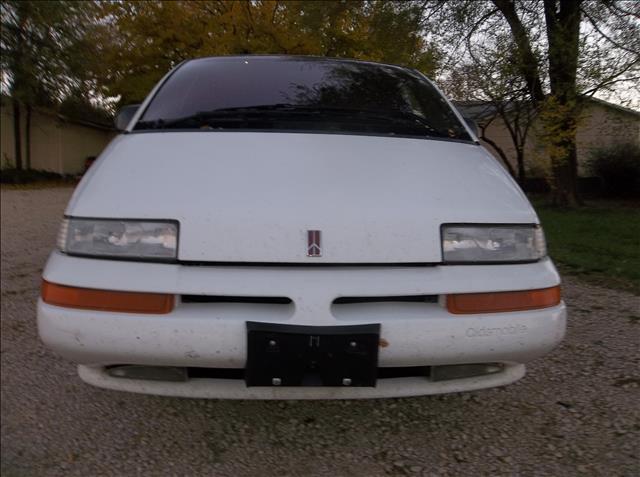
213, 335
236, 389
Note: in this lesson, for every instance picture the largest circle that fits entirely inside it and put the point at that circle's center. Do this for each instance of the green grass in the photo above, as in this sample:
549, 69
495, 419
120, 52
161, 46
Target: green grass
599, 242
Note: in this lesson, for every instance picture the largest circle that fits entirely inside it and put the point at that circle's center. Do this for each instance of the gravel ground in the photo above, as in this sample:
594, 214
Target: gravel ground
576, 412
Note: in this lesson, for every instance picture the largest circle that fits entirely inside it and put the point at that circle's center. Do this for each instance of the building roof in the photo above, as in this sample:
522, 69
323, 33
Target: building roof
64, 118
475, 109
614, 106
478, 110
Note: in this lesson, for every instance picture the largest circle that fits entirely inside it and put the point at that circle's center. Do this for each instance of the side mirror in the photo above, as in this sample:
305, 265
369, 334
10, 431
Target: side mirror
124, 116
472, 125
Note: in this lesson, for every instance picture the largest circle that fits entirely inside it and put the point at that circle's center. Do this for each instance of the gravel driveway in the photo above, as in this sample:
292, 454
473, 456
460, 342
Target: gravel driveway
576, 411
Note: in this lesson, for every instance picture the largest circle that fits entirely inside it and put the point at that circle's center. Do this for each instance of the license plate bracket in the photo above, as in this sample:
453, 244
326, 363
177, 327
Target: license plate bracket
297, 355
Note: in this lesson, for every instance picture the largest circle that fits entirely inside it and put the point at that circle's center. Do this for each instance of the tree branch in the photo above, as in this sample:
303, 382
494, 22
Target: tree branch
604, 35
528, 62
498, 149
605, 84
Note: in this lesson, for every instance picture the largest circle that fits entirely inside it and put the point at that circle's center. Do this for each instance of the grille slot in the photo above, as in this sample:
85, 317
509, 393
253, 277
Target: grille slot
268, 300
404, 372
195, 263
349, 300
239, 373
216, 373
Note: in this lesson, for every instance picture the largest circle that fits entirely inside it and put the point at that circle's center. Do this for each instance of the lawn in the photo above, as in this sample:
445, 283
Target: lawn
599, 242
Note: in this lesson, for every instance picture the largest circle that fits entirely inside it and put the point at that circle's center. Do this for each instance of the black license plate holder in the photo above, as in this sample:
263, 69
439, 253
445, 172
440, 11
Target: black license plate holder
297, 355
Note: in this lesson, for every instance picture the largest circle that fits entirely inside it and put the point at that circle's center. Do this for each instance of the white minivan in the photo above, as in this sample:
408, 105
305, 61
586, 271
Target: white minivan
281, 227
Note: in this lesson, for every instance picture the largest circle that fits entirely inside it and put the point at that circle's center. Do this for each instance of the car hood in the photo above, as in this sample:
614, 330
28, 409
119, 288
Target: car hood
253, 197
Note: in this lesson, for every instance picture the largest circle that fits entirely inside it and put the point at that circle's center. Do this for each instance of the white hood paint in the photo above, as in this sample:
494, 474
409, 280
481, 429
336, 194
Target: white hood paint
251, 197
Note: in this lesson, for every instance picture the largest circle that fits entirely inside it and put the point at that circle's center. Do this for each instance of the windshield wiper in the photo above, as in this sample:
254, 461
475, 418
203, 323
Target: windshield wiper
258, 109
243, 114
395, 116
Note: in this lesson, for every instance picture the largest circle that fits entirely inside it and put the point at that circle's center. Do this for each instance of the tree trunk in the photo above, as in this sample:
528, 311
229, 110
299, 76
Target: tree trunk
562, 18
17, 135
563, 33
522, 175
564, 190
27, 134
528, 64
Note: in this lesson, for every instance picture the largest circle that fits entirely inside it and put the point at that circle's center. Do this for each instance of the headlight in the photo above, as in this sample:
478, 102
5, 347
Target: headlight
492, 243
133, 239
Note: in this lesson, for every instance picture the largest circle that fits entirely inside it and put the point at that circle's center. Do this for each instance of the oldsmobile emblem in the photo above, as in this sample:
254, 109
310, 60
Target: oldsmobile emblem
314, 245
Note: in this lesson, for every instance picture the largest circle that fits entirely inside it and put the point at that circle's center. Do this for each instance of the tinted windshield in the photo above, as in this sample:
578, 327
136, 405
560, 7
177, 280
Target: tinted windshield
300, 94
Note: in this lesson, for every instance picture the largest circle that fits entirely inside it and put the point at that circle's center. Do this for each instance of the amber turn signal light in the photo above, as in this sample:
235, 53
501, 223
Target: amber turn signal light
106, 300
466, 303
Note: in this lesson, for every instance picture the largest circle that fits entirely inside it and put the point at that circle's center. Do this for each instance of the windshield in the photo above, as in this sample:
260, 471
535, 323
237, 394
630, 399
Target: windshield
300, 94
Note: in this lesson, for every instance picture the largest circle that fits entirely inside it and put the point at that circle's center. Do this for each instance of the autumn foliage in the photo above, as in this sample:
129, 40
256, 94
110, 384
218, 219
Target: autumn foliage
141, 41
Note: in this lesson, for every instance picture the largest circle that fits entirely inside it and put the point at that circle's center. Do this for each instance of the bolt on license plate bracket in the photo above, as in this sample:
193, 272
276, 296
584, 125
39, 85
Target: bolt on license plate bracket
296, 355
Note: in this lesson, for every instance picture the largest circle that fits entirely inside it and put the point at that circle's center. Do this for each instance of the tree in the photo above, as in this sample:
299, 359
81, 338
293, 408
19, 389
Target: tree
44, 48
140, 41
76, 106
564, 49
560, 108
498, 93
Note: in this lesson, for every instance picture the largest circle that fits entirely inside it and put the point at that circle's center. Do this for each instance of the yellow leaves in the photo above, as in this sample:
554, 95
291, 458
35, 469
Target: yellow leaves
141, 40
559, 123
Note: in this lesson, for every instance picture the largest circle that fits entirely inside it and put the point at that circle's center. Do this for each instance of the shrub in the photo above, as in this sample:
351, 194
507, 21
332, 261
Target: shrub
15, 176
618, 167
